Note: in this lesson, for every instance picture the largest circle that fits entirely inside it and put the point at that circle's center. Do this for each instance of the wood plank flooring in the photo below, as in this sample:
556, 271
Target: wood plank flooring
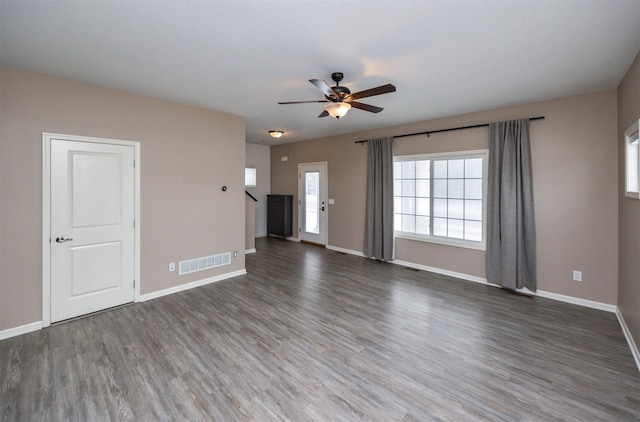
313, 335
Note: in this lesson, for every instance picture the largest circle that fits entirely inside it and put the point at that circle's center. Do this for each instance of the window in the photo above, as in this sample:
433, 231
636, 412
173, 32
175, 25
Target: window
250, 177
632, 158
441, 198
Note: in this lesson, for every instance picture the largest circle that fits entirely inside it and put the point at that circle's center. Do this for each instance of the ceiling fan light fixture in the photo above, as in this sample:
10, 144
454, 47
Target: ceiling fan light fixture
276, 133
337, 109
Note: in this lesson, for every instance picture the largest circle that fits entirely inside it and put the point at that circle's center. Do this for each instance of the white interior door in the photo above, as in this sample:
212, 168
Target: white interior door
92, 227
312, 215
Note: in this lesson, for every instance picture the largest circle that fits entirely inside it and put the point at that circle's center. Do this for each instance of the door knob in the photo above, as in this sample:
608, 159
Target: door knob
61, 239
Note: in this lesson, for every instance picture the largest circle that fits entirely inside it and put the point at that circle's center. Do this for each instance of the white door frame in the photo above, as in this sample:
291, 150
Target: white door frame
325, 196
47, 138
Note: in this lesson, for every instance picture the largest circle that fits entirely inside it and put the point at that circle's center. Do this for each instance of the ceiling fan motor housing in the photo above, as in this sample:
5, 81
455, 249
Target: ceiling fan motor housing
342, 92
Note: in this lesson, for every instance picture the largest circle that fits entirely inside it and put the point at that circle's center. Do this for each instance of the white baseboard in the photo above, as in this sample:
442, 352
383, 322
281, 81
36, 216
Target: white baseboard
541, 293
462, 276
27, 328
629, 337
343, 250
193, 284
35, 326
248, 251
549, 295
293, 239
23, 329
577, 301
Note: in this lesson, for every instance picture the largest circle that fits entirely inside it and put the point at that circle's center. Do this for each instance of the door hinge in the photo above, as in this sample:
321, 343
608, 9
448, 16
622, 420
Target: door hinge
299, 230
134, 284
134, 224
134, 163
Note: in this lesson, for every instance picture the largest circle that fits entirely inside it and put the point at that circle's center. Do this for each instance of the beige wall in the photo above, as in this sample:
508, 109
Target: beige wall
629, 288
575, 178
259, 156
187, 154
250, 223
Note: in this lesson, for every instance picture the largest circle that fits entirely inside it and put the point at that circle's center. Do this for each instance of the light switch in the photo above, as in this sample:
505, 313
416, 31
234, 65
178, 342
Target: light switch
331, 201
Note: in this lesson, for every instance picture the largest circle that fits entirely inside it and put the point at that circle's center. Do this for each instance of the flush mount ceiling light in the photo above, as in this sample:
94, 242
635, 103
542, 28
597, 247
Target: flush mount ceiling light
338, 109
276, 133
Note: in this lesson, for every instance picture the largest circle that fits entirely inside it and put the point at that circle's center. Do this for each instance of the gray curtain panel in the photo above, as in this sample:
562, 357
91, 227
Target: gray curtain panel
378, 231
511, 232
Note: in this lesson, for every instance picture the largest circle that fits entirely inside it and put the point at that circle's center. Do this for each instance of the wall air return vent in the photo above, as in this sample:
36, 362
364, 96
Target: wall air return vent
204, 263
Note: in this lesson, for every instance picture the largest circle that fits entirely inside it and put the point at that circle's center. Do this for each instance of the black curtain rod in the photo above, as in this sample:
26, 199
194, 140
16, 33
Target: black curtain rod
428, 132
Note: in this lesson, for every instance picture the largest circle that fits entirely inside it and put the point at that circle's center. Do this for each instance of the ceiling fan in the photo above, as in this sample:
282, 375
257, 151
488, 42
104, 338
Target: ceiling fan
340, 99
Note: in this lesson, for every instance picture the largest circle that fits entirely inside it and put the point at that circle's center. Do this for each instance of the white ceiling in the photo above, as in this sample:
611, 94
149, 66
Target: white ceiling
445, 57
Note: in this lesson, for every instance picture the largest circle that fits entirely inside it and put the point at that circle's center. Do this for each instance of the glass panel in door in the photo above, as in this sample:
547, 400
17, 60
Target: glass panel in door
312, 199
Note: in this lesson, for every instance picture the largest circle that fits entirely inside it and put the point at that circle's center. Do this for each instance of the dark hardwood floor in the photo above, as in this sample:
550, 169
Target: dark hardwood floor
312, 335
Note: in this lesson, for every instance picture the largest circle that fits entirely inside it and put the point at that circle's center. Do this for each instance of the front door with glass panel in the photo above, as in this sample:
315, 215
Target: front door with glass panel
312, 202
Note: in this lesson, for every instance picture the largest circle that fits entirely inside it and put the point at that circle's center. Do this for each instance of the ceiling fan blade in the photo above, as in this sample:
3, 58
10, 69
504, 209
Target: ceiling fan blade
382, 89
323, 114
303, 102
366, 107
326, 89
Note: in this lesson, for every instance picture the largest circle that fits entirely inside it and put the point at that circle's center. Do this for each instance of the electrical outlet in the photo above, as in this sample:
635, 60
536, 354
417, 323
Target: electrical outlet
235, 253
172, 266
577, 275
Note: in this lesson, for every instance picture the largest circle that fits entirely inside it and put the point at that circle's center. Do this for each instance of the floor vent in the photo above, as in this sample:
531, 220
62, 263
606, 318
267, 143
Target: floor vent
204, 263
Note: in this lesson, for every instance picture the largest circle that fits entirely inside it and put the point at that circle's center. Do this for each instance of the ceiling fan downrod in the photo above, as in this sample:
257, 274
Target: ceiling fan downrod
341, 91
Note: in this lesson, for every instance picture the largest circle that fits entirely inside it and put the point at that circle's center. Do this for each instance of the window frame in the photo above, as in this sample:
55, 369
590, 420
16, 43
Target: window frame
442, 240
628, 151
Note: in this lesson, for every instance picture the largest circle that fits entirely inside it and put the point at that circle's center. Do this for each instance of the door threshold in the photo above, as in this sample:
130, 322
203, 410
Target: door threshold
92, 313
306, 242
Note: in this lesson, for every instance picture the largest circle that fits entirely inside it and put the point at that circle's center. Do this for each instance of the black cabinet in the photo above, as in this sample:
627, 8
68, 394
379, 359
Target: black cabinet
279, 215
